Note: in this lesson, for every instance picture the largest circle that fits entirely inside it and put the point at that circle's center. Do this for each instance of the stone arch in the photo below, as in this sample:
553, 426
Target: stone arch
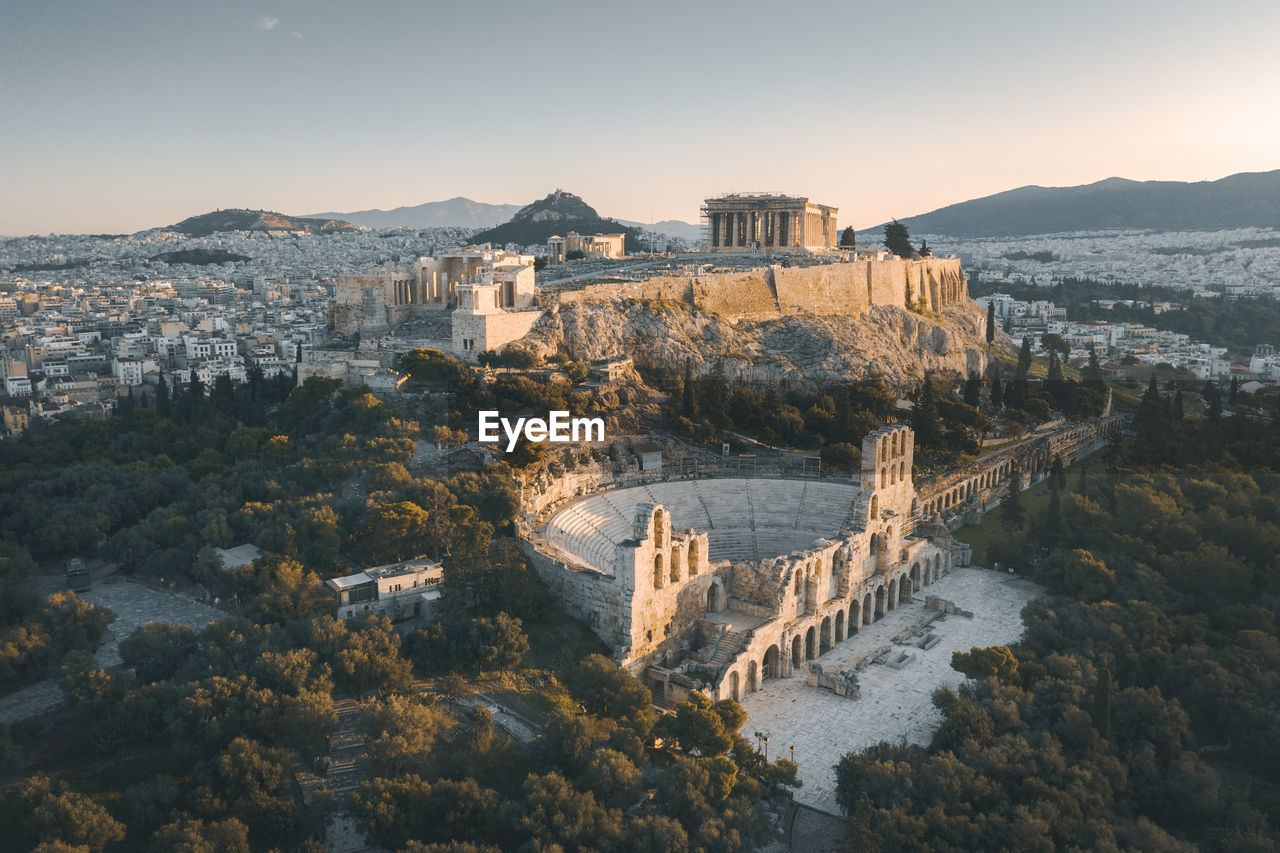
799, 581
891, 599
693, 556
902, 472
839, 635
661, 526
797, 652
715, 597
897, 443
733, 686
915, 577
875, 507
868, 612
883, 477
855, 617
659, 575
771, 666
825, 638
675, 564
810, 644
880, 603
752, 681
904, 590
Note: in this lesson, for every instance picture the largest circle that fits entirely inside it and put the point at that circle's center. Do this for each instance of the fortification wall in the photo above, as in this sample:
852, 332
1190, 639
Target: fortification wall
825, 289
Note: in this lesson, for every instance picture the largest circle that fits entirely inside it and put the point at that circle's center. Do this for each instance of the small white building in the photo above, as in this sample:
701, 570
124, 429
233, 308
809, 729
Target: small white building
398, 591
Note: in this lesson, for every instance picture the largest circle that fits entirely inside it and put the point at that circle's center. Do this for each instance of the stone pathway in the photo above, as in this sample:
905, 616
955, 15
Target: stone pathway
896, 704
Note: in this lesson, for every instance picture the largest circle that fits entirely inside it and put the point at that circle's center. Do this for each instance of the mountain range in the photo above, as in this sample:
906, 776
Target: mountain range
455, 212
1248, 199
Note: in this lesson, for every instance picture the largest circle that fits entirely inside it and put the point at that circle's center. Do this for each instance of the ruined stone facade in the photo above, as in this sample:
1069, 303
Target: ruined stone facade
846, 288
485, 296
747, 222
779, 571
590, 245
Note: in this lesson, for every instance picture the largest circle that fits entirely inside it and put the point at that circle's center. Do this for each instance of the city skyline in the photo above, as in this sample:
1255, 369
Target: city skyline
139, 115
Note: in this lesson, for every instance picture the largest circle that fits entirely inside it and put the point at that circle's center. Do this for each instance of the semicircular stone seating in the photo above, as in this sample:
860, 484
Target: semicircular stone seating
744, 519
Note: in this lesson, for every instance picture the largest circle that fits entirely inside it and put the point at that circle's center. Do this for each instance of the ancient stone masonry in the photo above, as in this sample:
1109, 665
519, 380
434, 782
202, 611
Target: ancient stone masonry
720, 584
745, 222
962, 496
845, 288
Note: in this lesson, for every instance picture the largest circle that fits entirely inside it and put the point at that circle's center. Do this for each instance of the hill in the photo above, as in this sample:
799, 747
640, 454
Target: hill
200, 257
237, 219
455, 212
1249, 199
558, 213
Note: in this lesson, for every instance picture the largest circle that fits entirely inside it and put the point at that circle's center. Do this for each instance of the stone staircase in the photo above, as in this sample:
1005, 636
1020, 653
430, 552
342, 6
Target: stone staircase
727, 647
344, 767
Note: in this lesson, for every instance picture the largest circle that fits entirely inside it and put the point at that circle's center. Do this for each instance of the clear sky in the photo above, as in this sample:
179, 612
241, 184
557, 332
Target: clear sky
119, 116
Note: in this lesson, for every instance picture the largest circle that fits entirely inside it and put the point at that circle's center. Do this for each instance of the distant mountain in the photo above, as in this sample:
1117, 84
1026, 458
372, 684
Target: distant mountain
1249, 199
686, 231
456, 212
558, 213
236, 219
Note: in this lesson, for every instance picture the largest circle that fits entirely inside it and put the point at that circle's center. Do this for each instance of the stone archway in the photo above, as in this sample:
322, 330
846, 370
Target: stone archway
891, 598
915, 577
733, 686
752, 685
868, 610
810, 644
904, 590
771, 667
797, 653
839, 636
715, 597
825, 640
855, 617
880, 603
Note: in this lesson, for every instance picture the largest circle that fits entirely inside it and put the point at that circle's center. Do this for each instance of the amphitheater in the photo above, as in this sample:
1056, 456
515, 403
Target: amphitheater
719, 584
746, 520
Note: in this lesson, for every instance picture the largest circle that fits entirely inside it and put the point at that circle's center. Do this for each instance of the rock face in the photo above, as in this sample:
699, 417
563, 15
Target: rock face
802, 349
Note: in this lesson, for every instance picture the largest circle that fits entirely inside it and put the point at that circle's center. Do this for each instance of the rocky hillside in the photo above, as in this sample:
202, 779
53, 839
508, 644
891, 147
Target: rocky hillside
236, 219
558, 213
800, 349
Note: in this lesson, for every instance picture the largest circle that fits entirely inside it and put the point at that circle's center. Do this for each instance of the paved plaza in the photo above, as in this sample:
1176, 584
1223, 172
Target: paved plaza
134, 605
896, 704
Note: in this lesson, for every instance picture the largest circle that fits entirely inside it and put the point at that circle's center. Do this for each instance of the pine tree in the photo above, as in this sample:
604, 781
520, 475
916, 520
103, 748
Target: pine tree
1213, 403
924, 416
1092, 374
1177, 413
848, 239
997, 387
163, 407
991, 322
1058, 474
1011, 510
1233, 393
1024, 358
973, 390
1055, 367
898, 240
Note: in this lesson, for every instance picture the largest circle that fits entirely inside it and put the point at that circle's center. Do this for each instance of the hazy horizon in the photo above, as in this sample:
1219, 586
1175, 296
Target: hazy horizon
139, 115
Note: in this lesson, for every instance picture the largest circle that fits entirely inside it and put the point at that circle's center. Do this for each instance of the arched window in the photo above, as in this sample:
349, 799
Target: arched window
693, 557
675, 565
875, 507
659, 576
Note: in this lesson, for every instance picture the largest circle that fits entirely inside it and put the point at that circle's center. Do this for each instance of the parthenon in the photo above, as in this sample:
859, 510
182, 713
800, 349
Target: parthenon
742, 222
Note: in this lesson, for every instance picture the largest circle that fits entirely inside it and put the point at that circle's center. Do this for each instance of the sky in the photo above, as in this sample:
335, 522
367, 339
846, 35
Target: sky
121, 116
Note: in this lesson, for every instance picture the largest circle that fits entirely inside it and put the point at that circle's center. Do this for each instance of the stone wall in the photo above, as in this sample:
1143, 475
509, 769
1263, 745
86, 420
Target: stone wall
490, 331
823, 289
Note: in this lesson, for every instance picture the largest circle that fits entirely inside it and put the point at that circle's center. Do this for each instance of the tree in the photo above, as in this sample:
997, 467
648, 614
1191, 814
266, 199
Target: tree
997, 387
1011, 510
991, 322
190, 835
157, 649
1024, 359
163, 407
924, 416
847, 238
688, 407
897, 240
72, 818
973, 390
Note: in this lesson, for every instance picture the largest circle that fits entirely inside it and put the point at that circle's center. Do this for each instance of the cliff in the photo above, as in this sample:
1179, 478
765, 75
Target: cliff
802, 349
